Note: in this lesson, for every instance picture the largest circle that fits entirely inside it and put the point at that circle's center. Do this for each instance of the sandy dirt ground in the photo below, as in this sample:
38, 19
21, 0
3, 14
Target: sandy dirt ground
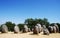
28, 35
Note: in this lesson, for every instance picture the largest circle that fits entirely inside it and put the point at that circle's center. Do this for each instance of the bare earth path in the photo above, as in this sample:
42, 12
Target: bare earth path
28, 35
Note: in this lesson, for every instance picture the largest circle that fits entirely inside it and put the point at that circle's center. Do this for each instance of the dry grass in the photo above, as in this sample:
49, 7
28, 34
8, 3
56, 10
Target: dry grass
28, 35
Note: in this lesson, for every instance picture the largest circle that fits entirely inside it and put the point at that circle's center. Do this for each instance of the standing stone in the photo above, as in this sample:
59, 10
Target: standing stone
16, 29
45, 31
25, 29
44, 26
54, 29
35, 30
39, 27
57, 28
4, 29
50, 28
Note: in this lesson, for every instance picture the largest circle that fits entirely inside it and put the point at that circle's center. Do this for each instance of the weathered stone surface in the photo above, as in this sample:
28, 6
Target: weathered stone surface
54, 29
44, 26
39, 27
4, 29
50, 28
57, 28
25, 29
16, 29
45, 31
35, 30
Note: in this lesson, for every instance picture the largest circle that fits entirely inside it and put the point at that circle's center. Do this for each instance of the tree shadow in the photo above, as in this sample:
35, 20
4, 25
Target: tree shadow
33, 34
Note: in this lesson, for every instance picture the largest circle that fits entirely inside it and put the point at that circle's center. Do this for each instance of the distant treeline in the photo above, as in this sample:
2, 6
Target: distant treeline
30, 23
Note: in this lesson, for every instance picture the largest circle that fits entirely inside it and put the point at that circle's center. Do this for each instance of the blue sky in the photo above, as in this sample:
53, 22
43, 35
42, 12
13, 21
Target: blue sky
17, 11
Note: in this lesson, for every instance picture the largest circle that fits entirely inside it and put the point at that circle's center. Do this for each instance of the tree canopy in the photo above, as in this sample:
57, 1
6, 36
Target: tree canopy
30, 22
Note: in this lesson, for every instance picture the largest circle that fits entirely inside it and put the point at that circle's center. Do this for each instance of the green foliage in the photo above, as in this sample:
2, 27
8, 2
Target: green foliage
0, 28
10, 26
20, 26
58, 26
32, 22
